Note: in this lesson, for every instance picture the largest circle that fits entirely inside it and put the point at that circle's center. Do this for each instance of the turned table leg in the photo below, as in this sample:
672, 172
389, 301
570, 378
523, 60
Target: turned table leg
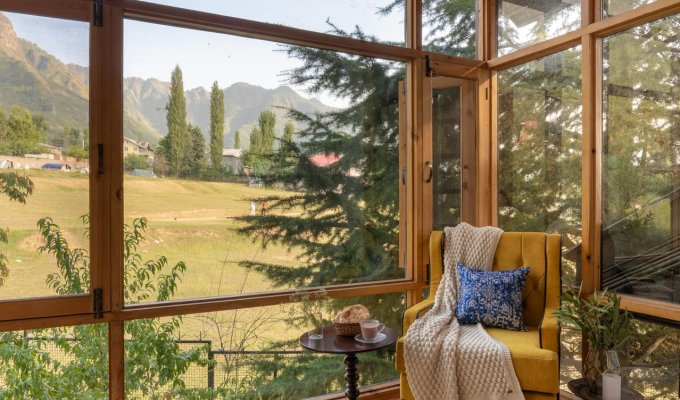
351, 376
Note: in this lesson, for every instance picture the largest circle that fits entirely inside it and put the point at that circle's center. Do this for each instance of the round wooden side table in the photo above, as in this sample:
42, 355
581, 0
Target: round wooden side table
333, 343
580, 388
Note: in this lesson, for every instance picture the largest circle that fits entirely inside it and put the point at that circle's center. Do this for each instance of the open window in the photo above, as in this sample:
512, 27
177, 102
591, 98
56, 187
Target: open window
52, 191
449, 175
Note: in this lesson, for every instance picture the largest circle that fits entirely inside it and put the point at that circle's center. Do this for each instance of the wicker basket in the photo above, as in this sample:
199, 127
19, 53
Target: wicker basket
347, 329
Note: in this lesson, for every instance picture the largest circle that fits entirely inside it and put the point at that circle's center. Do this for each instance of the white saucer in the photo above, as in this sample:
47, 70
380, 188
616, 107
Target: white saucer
378, 338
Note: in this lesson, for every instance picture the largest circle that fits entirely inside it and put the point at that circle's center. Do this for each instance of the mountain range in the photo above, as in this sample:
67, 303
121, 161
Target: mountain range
40, 82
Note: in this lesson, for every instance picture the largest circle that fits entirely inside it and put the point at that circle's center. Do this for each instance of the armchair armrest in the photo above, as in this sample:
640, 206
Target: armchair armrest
549, 331
415, 312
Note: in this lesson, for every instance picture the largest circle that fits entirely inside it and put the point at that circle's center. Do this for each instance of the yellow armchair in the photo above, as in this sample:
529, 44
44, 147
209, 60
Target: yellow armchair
535, 353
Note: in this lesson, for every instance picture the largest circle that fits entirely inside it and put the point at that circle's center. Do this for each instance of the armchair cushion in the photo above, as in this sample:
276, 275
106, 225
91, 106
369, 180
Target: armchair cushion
536, 369
493, 298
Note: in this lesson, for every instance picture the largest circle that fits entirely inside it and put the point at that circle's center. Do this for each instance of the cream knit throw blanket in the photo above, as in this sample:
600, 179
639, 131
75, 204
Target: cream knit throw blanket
448, 361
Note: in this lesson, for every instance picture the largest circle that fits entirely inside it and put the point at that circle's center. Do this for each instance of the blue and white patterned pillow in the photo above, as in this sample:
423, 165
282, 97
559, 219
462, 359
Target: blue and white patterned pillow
493, 298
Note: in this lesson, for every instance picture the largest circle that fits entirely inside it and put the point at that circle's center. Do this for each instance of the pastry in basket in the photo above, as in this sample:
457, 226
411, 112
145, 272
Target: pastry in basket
347, 321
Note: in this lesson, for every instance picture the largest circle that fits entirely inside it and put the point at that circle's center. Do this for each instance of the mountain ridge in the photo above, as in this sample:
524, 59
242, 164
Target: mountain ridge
40, 82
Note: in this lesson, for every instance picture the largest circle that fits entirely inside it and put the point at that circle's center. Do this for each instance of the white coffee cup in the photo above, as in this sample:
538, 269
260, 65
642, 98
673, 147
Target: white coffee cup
370, 328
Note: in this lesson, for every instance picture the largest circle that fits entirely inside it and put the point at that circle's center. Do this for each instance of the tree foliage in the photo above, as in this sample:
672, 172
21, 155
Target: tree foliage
136, 161
194, 157
154, 362
216, 125
20, 132
16, 188
175, 145
237, 140
260, 153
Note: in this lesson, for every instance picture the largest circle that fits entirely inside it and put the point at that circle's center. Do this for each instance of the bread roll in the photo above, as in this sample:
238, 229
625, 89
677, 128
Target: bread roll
353, 314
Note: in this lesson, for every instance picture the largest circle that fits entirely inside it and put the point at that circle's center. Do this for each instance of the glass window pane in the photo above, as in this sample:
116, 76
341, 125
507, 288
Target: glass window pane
640, 178
44, 147
522, 23
539, 164
372, 20
446, 143
649, 359
59, 363
250, 353
615, 7
284, 174
539, 151
450, 27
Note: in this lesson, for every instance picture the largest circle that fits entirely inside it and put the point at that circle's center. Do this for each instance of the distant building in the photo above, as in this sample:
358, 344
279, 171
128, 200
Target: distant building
54, 150
232, 158
324, 160
131, 146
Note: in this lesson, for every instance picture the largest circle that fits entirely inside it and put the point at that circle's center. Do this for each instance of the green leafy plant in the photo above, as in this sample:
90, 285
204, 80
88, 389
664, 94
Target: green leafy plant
603, 324
16, 188
154, 362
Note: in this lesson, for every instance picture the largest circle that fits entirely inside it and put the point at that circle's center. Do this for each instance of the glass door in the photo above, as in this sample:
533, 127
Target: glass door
449, 173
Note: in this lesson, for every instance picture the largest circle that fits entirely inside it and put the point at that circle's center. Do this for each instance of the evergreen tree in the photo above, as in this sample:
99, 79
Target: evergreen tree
216, 125
255, 141
288, 132
237, 140
195, 152
267, 123
346, 219
177, 140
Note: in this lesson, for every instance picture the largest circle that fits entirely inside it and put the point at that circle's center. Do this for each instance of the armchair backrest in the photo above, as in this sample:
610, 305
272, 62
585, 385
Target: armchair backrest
539, 251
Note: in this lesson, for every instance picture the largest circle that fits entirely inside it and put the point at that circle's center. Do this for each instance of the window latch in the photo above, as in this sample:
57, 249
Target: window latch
98, 303
98, 12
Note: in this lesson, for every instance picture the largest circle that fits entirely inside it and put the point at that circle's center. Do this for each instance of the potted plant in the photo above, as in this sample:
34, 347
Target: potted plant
604, 325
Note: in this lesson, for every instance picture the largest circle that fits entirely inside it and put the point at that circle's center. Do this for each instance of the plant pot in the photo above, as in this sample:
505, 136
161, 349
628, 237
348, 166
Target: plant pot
593, 366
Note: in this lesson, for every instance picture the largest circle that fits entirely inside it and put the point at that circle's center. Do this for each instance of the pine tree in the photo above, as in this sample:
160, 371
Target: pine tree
237, 140
348, 229
346, 219
177, 139
216, 125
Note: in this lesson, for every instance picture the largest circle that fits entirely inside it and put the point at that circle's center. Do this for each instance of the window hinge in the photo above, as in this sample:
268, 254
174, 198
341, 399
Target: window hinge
98, 305
98, 12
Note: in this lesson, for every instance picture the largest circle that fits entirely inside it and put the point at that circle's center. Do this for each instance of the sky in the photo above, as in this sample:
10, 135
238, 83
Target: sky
152, 50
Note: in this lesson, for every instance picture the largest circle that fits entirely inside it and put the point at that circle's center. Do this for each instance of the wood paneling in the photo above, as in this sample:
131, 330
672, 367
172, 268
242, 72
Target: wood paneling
79, 10
191, 19
589, 168
661, 309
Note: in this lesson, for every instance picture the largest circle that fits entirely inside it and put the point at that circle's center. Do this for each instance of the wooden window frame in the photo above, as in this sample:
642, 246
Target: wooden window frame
589, 36
106, 119
80, 305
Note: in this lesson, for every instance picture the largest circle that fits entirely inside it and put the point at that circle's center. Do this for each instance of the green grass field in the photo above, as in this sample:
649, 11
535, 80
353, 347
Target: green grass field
188, 221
